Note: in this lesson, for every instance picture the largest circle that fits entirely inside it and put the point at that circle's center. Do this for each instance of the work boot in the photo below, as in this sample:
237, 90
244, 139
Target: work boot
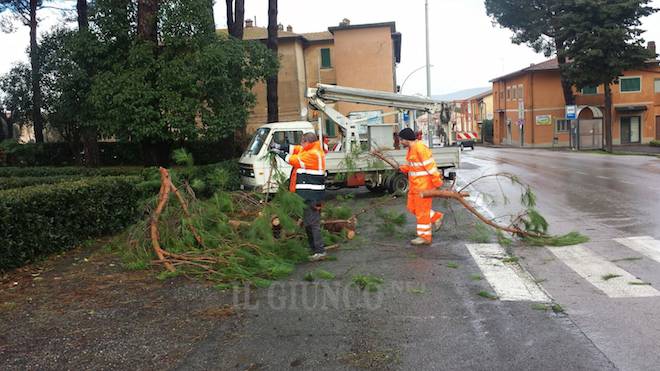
420, 241
318, 256
438, 224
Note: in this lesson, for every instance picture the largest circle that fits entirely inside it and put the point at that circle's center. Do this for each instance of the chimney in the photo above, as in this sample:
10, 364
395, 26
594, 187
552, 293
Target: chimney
280, 27
248, 23
651, 48
289, 28
345, 22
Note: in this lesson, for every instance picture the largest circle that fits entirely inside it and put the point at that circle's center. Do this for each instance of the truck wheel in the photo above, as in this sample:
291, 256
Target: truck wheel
398, 185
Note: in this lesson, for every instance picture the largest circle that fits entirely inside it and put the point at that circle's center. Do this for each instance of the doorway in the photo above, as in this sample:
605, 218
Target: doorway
630, 129
657, 127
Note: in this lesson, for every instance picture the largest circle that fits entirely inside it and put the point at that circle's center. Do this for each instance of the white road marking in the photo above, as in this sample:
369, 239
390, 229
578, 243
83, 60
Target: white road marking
602, 177
509, 280
593, 268
643, 244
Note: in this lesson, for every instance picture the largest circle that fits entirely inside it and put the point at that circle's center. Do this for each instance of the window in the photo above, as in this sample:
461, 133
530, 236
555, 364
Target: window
657, 85
562, 125
330, 128
287, 137
508, 93
589, 90
630, 84
325, 58
520, 92
257, 141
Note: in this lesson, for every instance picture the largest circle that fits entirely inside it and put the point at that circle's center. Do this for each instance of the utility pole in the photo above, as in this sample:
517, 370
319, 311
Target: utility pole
428, 73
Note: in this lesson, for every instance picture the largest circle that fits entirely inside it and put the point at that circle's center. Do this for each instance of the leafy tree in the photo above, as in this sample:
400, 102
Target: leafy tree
604, 40
539, 24
186, 89
16, 86
26, 12
271, 82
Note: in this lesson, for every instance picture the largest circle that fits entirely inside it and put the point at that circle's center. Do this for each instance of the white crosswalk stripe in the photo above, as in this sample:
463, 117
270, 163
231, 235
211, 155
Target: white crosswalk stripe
509, 280
645, 245
596, 271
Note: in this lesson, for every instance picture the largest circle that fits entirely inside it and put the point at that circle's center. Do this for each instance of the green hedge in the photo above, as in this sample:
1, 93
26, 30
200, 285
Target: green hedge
42, 219
43, 171
111, 153
26, 181
655, 143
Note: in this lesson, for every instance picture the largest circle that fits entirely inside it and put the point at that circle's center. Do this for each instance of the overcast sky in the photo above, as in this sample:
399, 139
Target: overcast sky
466, 49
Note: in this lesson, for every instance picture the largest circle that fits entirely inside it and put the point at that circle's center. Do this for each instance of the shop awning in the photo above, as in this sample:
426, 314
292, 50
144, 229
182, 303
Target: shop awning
630, 108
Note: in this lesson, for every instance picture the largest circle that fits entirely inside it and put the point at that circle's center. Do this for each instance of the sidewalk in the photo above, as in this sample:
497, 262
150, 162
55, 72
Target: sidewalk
634, 149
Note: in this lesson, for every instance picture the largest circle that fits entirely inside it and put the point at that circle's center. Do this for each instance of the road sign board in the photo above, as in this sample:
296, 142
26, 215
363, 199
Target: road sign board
571, 112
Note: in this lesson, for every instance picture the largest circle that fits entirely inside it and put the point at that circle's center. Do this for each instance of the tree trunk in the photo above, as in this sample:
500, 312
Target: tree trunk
37, 120
235, 17
89, 134
83, 22
608, 117
566, 86
271, 82
147, 23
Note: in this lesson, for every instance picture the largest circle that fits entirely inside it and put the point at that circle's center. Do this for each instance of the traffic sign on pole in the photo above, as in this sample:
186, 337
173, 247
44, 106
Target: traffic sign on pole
571, 112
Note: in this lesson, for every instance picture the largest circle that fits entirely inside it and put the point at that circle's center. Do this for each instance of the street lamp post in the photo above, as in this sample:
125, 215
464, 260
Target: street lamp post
404, 83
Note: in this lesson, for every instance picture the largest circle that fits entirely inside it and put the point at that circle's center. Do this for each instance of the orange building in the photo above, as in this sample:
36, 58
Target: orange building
360, 56
529, 108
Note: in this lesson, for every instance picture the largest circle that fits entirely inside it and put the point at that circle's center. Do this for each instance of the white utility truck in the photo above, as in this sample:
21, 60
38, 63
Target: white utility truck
348, 163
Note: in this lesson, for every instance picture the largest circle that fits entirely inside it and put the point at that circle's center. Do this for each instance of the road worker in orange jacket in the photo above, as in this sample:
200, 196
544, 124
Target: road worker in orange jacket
308, 181
423, 175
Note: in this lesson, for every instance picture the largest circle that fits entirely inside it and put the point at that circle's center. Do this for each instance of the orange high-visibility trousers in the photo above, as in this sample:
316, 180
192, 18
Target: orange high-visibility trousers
426, 216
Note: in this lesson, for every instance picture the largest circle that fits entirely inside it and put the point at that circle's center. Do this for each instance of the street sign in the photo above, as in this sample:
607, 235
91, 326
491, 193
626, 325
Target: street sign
406, 116
571, 112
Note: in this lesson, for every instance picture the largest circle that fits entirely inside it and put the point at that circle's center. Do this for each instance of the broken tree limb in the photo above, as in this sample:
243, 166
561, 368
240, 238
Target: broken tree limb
390, 161
458, 196
163, 196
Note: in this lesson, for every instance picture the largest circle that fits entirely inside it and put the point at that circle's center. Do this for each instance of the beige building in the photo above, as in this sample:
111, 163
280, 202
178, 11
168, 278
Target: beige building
361, 56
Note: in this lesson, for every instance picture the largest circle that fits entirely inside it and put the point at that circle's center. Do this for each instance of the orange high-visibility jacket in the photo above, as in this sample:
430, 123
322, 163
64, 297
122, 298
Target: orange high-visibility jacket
422, 171
308, 173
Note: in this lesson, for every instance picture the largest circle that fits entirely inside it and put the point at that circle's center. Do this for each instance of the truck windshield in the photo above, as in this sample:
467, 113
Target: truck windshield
257, 141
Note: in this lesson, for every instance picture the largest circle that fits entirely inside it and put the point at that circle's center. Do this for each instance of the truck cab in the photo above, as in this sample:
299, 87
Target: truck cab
255, 170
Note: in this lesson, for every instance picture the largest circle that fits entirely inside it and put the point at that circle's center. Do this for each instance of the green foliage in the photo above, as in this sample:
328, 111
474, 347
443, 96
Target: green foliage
535, 222
19, 182
182, 157
571, 238
42, 219
391, 221
487, 295
654, 143
320, 274
249, 254
536, 24
609, 276
367, 282
77, 171
452, 265
337, 212
604, 40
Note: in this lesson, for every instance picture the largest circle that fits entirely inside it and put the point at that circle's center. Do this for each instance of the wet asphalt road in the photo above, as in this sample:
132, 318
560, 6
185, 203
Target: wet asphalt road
427, 314
604, 197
